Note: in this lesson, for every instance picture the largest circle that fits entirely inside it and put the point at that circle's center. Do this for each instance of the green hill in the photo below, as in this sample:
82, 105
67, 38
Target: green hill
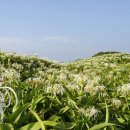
79, 95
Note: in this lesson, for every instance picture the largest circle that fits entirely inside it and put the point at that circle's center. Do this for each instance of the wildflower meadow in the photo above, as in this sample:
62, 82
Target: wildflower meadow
88, 94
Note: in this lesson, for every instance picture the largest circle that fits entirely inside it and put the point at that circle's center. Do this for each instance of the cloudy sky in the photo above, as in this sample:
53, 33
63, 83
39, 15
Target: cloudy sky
64, 30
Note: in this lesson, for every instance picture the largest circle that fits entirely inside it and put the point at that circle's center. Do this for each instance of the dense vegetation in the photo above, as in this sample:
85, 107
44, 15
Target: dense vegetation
86, 94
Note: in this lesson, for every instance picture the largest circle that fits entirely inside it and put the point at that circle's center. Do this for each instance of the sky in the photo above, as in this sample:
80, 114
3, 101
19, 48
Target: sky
64, 30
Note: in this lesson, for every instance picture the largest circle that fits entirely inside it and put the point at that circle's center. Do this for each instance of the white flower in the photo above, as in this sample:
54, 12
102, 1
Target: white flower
116, 102
62, 76
93, 112
17, 66
90, 89
89, 112
56, 89
104, 94
37, 80
74, 87
106, 64
100, 89
125, 89
10, 75
49, 89
1, 83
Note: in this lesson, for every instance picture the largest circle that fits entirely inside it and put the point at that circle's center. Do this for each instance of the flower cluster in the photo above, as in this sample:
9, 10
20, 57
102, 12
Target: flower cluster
124, 89
116, 103
55, 89
90, 112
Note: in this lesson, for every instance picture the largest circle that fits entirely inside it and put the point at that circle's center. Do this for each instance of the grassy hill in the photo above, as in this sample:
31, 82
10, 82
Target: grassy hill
91, 93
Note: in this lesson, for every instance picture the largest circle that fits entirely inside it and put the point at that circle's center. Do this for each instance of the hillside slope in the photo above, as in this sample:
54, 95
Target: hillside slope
71, 95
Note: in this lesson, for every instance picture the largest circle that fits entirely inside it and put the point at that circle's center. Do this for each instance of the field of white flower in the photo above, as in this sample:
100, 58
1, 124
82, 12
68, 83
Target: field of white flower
88, 94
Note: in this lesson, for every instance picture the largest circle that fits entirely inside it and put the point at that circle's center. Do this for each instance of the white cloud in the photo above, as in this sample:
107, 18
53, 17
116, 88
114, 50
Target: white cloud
57, 39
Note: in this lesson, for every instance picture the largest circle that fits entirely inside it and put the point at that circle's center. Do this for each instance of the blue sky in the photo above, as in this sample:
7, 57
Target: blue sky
64, 30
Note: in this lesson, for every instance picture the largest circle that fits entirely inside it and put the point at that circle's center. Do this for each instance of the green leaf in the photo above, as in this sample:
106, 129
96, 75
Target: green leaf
60, 127
65, 126
38, 119
58, 101
31, 126
50, 123
73, 103
70, 125
16, 115
107, 114
54, 118
121, 120
124, 108
6, 126
36, 125
35, 101
102, 125
63, 110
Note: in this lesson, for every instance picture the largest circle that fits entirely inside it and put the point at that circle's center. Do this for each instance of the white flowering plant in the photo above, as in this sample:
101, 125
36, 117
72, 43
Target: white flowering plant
87, 94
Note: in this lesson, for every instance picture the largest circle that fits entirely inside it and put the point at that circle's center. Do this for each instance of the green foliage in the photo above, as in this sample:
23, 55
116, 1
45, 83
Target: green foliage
6, 126
87, 94
102, 53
